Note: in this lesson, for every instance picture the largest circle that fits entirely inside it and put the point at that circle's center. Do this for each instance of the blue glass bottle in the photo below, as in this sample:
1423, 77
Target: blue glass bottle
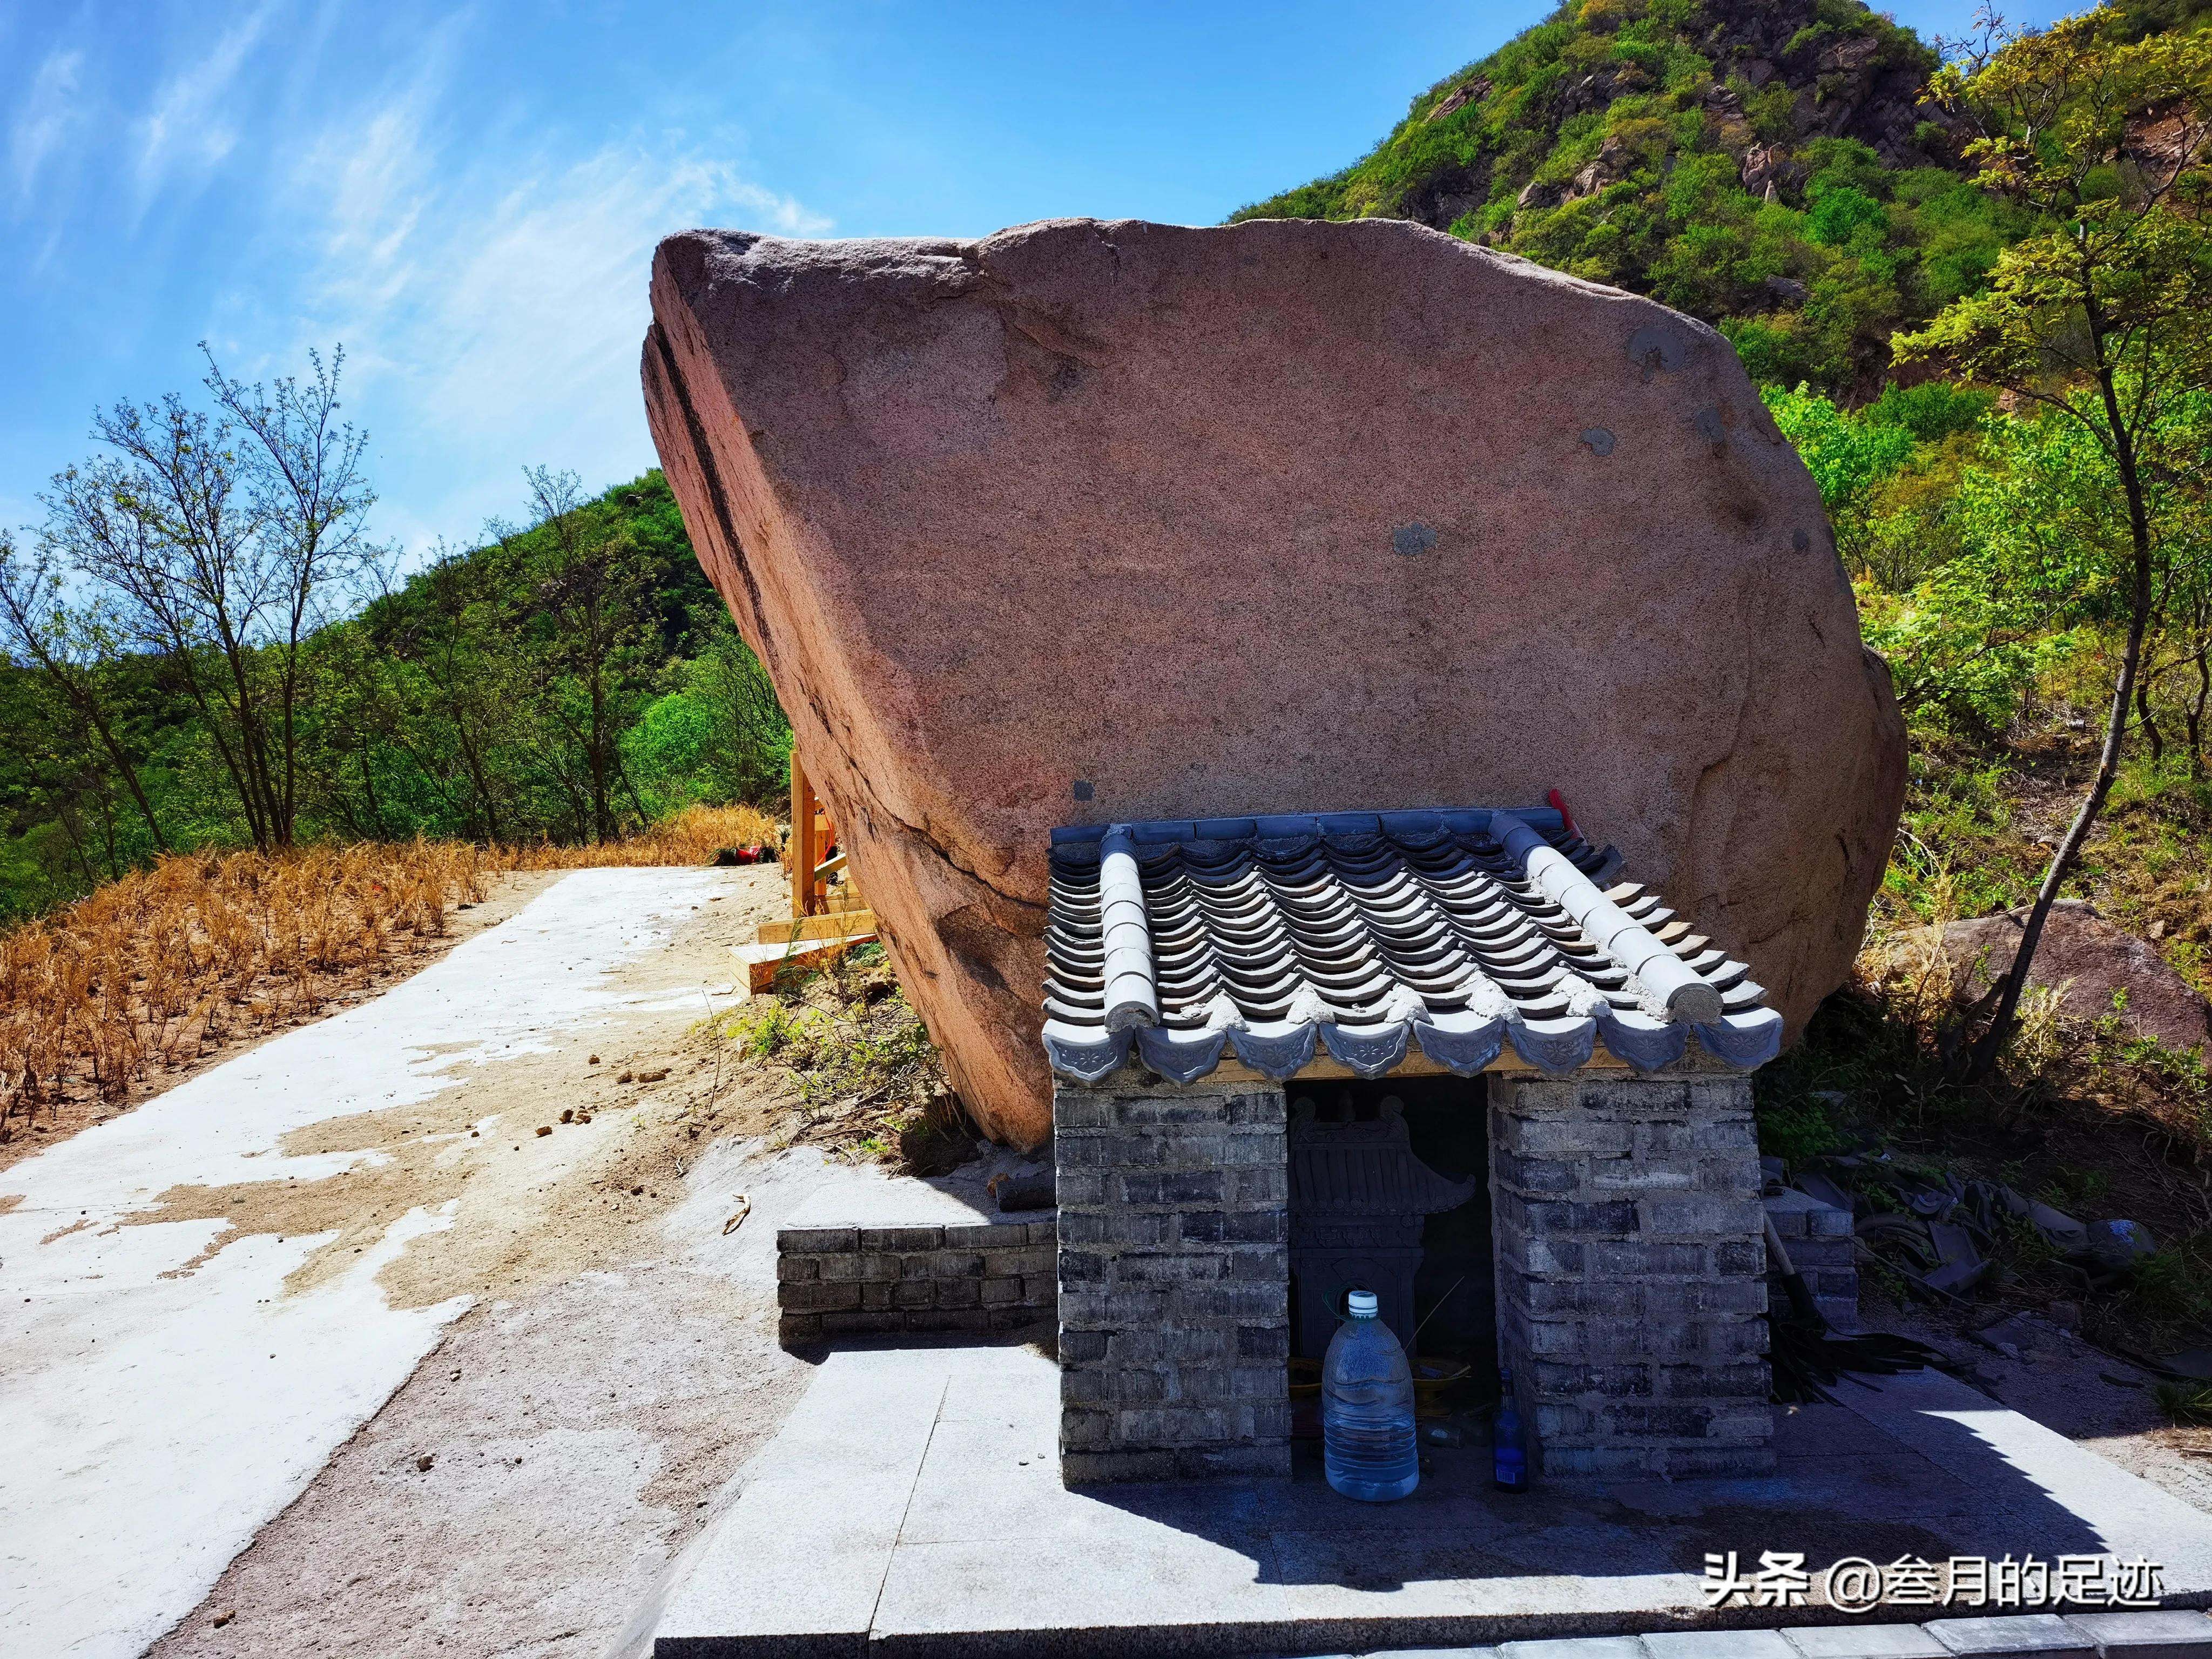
1367, 1408
1508, 1447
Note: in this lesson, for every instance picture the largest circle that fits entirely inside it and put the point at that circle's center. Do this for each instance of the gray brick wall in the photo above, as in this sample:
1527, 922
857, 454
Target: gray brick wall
1174, 1279
841, 1281
1818, 1239
1631, 1272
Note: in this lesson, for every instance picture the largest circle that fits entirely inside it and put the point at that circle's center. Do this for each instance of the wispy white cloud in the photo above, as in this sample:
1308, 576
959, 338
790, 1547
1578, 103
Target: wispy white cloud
516, 333
483, 258
542, 304
44, 119
491, 304
189, 125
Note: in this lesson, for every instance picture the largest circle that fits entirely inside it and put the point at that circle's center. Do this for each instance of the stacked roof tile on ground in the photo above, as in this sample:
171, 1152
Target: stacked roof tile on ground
1271, 938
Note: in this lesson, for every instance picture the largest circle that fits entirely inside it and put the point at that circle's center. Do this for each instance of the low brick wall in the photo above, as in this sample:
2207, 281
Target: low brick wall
1632, 1272
841, 1281
1174, 1279
1818, 1237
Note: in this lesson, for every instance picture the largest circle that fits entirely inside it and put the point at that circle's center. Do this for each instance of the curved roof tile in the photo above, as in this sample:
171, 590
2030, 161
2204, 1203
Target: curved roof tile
1461, 931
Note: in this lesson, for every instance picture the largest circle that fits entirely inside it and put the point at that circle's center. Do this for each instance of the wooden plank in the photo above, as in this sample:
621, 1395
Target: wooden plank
763, 961
802, 852
825, 837
833, 926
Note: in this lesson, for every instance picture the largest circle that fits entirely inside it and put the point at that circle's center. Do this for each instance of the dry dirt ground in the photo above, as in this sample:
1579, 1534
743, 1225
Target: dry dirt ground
519, 1495
605, 1356
573, 1424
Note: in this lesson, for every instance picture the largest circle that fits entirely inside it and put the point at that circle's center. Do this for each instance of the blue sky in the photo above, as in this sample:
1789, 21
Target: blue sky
468, 197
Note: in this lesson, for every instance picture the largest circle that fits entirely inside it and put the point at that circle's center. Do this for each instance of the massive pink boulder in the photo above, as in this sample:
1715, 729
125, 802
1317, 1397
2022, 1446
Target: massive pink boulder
1098, 521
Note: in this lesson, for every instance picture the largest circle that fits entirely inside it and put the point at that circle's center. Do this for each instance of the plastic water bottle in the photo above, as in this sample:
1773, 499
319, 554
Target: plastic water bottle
1508, 1447
1367, 1408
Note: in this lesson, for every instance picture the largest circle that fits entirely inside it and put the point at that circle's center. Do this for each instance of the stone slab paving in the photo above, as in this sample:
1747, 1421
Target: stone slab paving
1867, 1642
2146, 1635
912, 1509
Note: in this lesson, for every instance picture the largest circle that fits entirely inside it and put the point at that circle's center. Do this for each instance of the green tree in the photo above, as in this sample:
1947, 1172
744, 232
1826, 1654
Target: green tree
748, 747
461, 685
589, 590
214, 538
310, 499
71, 646
2100, 319
1849, 458
2041, 551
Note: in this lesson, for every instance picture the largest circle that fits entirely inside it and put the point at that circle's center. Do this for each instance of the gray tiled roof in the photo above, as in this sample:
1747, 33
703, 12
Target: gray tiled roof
1460, 931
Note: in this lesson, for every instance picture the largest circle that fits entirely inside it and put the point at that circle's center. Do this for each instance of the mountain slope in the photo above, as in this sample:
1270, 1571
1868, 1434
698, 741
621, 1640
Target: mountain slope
1766, 165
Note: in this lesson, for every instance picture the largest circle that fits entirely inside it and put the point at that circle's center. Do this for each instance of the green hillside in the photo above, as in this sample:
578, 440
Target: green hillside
1767, 167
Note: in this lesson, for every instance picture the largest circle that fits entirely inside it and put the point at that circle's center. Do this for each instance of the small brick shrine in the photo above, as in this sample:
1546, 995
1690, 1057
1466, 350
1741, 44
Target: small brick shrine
1201, 969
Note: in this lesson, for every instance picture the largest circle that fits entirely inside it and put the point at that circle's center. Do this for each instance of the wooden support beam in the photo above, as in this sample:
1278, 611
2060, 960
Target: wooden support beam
835, 925
803, 852
763, 961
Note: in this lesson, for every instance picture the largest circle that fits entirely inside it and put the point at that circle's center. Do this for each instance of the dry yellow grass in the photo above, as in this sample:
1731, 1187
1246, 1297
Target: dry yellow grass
152, 972
693, 836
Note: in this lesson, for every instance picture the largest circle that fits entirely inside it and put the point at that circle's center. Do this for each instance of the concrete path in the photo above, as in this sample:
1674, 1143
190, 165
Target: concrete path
200, 1300
912, 1507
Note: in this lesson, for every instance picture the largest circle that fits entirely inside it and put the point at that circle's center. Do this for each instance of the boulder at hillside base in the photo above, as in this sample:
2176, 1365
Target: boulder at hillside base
1096, 521
2092, 960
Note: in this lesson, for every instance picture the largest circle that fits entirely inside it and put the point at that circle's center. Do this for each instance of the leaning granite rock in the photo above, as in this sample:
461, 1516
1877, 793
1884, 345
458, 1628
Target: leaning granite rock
1099, 521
